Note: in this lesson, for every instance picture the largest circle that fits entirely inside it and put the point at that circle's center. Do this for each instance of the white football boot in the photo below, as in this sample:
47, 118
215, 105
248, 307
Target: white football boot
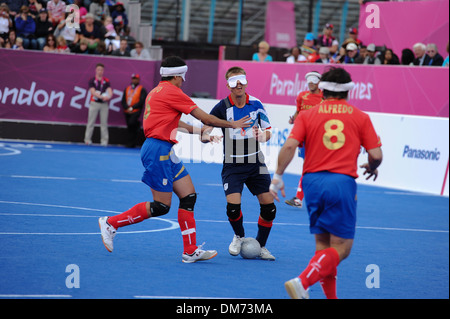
295, 289
108, 233
266, 255
235, 247
198, 255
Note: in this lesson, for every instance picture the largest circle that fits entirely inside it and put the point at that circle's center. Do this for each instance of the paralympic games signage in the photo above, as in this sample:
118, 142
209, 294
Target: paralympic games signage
386, 89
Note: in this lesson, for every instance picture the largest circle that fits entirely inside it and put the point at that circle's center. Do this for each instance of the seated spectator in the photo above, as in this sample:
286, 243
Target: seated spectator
139, 52
407, 57
70, 34
371, 55
446, 61
18, 45
111, 36
119, 16
324, 53
25, 28
326, 39
308, 46
390, 57
435, 58
50, 44
14, 7
61, 45
353, 34
35, 8
91, 31
263, 53
56, 11
101, 49
351, 53
83, 9
420, 51
82, 47
123, 49
295, 56
362, 55
99, 9
43, 28
5, 23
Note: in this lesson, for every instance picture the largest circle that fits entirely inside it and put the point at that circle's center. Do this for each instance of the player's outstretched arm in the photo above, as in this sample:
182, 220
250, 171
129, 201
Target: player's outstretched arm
211, 120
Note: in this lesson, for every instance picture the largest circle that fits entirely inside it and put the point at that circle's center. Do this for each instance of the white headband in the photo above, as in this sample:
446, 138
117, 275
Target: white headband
174, 71
313, 77
336, 87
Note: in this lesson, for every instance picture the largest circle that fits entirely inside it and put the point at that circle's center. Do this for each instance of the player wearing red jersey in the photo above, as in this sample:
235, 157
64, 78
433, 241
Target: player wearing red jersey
164, 172
333, 133
305, 100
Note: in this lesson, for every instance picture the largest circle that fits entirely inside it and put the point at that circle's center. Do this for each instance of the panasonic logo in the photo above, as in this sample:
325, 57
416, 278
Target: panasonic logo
431, 155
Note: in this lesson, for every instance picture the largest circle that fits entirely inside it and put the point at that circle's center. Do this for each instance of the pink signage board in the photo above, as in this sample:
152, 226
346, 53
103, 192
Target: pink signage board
37, 86
280, 24
400, 25
386, 89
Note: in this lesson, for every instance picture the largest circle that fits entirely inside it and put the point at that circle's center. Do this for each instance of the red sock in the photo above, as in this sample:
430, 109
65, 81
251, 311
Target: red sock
134, 215
187, 225
322, 265
300, 193
329, 286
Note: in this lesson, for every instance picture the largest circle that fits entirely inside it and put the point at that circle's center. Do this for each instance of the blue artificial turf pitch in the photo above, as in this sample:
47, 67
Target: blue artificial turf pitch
51, 196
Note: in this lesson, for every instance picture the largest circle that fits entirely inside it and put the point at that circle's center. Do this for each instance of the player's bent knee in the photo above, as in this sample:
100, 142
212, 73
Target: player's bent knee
233, 211
268, 211
188, 202
158, 209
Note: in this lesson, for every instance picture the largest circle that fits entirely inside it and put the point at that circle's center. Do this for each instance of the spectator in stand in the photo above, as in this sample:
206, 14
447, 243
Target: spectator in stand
123, 50
446, 61
420, 51
308, 46
371, 55
70, 34
351, 53
390, 57
5, 23
324, 53
35, 8
91, 32
61, 45
83, 9
435, 58
43, 28
407, 57
18, 45
99, 9
263, 53
56, 11
50, 44
139, 52
295, 56
14, 7
82, 47
26, 27
326, 39
12, 36
119, 16
353, 34
101, 49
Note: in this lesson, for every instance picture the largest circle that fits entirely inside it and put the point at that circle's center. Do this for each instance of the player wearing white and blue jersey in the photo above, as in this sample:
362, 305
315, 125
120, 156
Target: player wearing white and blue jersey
244, 161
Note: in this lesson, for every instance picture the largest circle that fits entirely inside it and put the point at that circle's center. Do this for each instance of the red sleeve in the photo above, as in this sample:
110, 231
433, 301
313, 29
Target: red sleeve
369, 137
182, 103
298, 131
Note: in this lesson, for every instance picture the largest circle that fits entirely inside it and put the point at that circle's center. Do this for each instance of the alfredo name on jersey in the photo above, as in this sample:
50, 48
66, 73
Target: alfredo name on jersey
240, 145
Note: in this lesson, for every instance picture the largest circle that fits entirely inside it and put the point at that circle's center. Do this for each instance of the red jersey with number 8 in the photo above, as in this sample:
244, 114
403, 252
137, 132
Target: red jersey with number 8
333, 133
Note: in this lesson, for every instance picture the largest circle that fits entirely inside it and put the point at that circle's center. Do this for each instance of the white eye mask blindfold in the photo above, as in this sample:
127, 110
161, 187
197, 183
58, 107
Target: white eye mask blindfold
174, 71
232, 82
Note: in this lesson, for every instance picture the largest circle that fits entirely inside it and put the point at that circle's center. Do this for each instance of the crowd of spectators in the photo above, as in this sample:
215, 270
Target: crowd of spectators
326, 49
46, 26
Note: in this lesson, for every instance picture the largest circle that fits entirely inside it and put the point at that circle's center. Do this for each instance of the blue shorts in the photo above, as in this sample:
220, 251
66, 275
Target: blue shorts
331, 203
162, 166
255, 175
